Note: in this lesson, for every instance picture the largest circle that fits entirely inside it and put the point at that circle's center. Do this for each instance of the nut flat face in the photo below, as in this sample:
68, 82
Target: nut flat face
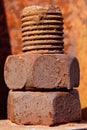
47, 72
52, 71
43, 108
15, 72
42, 29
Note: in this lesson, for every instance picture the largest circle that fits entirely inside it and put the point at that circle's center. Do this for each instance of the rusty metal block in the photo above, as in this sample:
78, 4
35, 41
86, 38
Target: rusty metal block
43, 108
41, 71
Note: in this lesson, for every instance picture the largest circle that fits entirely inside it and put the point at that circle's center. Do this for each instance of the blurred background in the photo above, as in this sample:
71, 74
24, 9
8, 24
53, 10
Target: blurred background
75, 33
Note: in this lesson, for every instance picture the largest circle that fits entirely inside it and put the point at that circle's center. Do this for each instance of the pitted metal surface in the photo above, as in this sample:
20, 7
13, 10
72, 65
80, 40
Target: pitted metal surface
42, 29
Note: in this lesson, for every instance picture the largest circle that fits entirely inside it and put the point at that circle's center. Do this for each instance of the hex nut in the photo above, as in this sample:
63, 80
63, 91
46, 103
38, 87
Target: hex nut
43, 108
41, 71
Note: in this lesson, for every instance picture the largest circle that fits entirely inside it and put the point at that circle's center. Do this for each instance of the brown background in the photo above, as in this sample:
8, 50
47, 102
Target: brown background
75, 29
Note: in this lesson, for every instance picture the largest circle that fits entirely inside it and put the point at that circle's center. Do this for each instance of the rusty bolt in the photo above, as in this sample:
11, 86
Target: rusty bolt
42, 29
44, 65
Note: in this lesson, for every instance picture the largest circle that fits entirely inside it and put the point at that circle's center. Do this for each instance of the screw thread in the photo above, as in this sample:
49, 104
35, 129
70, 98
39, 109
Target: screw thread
42, 29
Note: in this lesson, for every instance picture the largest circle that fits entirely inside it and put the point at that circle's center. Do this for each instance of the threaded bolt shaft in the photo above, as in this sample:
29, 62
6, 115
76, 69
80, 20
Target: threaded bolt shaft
42, 29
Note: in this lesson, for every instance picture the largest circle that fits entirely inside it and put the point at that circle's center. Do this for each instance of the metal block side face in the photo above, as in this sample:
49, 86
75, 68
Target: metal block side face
43, 108
74, 73
15, 72
55, 71
31, 108
48, 71
67, 107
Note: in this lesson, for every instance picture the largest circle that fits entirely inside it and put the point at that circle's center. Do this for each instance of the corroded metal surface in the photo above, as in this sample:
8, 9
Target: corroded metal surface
75, 30
43, 108
42, 32
42, 29
35, 71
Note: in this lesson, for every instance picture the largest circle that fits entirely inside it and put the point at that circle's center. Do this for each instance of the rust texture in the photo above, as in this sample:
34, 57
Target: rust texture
42, 66
42, 29
43, 108
41, 71
42, 32
75, 37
